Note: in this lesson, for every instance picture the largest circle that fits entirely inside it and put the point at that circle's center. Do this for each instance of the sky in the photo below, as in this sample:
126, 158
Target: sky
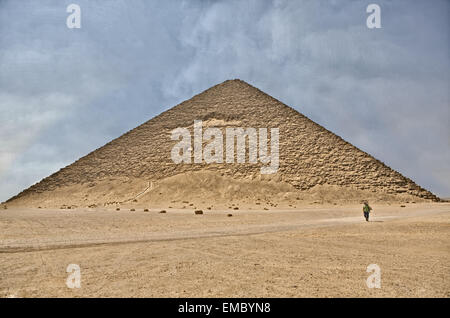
65, 92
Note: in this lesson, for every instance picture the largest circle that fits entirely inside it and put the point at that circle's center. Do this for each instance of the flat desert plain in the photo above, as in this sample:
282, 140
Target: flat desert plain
312, 251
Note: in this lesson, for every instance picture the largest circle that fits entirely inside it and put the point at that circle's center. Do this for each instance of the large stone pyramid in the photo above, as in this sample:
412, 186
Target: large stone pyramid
309, 154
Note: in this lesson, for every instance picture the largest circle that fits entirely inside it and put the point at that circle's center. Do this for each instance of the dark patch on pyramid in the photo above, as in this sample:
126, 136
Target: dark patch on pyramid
309, 154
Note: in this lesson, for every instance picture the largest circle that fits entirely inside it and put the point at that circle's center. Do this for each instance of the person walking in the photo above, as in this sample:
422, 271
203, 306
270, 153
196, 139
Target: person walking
366, 210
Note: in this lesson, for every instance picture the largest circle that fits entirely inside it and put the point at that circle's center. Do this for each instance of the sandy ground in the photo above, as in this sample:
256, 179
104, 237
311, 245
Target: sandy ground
314, 251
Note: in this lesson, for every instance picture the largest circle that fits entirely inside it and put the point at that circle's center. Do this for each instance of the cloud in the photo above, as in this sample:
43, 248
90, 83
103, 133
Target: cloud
384, 90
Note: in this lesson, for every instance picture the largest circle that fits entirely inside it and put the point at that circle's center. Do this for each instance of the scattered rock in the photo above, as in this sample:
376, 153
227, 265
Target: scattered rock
229, 215
132, 210
198, 212
117, 209
235, 208
162, 211
402, 206
145, 210
266, 209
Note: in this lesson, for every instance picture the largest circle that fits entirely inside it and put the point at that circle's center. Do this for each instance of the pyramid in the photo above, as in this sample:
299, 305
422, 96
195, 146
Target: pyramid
309, 154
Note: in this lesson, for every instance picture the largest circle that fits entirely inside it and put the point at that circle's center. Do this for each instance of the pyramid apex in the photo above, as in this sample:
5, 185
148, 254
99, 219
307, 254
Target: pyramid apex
234, 82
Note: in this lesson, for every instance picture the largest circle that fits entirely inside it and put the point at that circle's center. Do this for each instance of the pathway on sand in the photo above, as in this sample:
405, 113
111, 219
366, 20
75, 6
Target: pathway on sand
200, 231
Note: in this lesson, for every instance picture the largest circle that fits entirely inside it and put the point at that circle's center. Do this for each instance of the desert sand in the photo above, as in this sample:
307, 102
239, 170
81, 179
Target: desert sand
316, 250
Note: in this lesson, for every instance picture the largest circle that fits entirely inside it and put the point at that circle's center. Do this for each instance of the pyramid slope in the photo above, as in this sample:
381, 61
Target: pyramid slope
310, 155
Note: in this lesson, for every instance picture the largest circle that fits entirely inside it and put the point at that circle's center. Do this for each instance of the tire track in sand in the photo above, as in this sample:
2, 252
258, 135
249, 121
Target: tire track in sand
243, 230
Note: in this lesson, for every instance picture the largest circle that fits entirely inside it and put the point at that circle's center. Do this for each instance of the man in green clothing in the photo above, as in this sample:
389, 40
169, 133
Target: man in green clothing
366, 210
